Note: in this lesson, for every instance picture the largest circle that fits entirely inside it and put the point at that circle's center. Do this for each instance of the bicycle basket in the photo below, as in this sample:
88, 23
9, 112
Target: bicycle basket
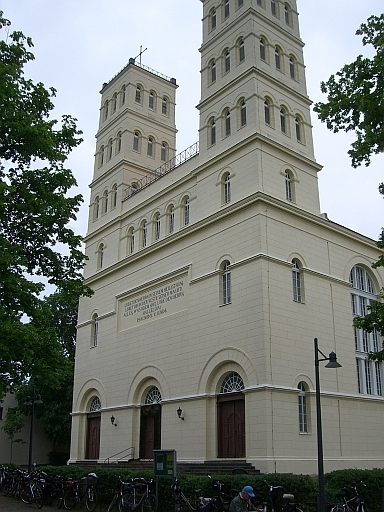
92, 479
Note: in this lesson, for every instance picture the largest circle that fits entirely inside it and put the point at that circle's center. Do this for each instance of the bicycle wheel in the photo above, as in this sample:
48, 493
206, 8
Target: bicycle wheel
113, 503
361, 508
60, 497
149, 503
268, 506
91, 499
25, 494
126, 502
70, 499
38, 495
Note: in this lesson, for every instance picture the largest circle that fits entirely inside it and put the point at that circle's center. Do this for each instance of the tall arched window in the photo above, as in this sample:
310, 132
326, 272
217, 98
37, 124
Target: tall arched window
131, 241
287, 15
292, 67
105, 201
114, 196
114, 102
96, 208
186, 211
151, 101
171, 220
298, 129
273, 7
267, 112
227, 123
106, 107
226, 188
303, 408
157, 226
297, 281
241, 51
369, 373
144, 234
138, 94
95, 331
164, 106
136, 141
232, 383
212, 129
100, 256
226, 283
283, 120
213, 19
226, 8
278, 58
288, 186
243, 114
163, 152
150, 146
122, 95
227, 62
101, 156
118, 142
213, 71
109, 149
262, 49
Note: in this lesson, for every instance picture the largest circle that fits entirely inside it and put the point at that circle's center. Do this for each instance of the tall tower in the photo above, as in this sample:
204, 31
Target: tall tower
253, 91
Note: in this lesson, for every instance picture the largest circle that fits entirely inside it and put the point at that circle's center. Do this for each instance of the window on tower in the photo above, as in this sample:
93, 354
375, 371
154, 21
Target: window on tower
241, 51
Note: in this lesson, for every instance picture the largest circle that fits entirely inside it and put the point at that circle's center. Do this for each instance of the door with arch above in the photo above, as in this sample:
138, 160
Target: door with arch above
150, 424
92, 450
231, 418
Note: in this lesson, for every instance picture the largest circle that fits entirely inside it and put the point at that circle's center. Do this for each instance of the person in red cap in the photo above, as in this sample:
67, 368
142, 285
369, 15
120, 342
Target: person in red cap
243, 500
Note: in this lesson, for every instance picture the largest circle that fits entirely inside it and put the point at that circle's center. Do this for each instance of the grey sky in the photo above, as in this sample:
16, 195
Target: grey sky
79, 44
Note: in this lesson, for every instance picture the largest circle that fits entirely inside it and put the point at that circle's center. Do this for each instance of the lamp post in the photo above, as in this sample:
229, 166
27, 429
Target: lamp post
31, 401
332, 363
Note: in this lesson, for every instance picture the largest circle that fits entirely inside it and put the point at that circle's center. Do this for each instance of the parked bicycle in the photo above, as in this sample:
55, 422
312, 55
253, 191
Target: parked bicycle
352, 501
32, 488
54, 490
123, 489
83, 491
182, 503
13, 482
222, 500
289, 506
138, 493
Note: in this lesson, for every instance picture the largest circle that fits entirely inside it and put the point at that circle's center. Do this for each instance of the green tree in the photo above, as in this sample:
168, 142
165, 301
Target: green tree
13, 425
355, 100
37, 245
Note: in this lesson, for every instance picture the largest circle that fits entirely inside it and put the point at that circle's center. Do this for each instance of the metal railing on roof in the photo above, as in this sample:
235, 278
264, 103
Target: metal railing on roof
162, 170
146, 68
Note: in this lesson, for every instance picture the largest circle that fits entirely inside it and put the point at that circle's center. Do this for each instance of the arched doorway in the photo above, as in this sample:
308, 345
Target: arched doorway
231, 417
150, 424
93, 430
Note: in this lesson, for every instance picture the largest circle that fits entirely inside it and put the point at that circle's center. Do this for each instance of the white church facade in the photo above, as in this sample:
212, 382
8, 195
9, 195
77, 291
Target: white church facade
214, 269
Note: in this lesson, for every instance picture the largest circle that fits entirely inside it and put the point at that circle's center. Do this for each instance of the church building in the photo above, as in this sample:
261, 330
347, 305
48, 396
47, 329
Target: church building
213, 269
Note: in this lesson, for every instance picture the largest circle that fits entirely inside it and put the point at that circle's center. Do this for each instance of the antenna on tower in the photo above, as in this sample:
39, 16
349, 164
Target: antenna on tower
141, 53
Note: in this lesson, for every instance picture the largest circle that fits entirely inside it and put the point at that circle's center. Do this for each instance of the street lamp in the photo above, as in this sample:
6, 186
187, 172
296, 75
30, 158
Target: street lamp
332, 363
31, 401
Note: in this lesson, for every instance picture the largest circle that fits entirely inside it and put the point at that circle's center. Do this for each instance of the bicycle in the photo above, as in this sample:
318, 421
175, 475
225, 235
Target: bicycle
137, 494
124, 488
54, 490
83, 491
289, 506
182, 502
32, 488
13, 483
222, 500
354, 503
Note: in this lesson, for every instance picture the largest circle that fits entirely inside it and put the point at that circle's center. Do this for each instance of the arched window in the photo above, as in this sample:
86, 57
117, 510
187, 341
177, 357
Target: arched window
303, 408
267, 112
136, 141
226, 188
273, 8
212, 126
262, 49
226, 8
171, 220
153, 396
227, 123
100, 256
240, 3
213, 71
243, 114
109, 149
138, 94
297, 281
213, 19
114, 102
106, 106
151, 101
283, 120
95, 331
105, 201
164, 106
241, 51
369, 373
292, 67
114, 196
287, 15
157, 226
122, 95
186, 211
131, 241
96, 208
101, 156
118, 142
227, 61
95, 405
298, 129
259, 2
232, 383
150, 146
226, 283
163, 152
288, 186
278, 58
144, 233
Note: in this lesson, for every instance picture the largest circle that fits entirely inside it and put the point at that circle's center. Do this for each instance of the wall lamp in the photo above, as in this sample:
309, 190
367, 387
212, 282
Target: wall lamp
332, 363
179, 413
113, 421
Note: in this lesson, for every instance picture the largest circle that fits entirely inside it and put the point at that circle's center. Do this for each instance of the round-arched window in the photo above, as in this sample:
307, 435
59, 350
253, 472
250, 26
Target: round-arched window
232, 383
153, 396
95, 405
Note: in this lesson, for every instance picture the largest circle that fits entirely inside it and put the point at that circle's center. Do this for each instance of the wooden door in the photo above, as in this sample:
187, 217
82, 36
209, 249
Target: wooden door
231, 426
150, 431
93, 436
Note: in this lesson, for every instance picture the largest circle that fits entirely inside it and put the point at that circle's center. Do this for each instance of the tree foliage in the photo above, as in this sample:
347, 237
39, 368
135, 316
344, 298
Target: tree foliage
356, 96
37, 244
13, 425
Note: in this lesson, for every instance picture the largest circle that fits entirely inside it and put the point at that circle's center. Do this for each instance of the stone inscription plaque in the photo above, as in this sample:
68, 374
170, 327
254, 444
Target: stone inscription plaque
165, 300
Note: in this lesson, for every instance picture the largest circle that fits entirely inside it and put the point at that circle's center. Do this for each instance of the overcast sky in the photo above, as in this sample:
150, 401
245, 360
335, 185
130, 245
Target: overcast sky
79, 44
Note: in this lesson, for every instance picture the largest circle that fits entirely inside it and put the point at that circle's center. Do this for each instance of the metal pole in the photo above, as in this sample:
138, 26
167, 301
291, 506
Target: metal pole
31, 433
320, 462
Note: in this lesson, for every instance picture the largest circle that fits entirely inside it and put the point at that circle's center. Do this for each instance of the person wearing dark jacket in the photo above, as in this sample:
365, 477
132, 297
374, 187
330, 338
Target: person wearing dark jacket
243, 500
